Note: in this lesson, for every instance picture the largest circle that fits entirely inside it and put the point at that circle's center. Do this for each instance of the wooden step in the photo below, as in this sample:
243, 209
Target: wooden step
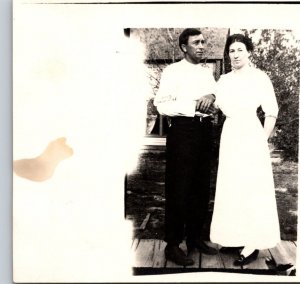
144, 253
150, 253
211, 261
284, 253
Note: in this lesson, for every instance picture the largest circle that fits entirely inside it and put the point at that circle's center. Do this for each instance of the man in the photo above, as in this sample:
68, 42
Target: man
186, 95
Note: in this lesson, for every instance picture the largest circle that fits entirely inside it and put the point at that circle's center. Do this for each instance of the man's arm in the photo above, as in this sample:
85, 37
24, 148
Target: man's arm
166, 100
175, 108
210, 85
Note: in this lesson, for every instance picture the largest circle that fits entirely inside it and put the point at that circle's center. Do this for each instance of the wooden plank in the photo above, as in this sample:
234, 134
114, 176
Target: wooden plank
211, 261
144, 253
228, 260
260, 262
195, 256
160, 141
134, 244
144, 224
282, 254
265, 253
133, 247
171, 264
290, 249
159, 259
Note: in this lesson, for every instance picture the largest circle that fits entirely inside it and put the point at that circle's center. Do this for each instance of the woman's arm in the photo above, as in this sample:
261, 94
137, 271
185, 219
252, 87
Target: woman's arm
269, 125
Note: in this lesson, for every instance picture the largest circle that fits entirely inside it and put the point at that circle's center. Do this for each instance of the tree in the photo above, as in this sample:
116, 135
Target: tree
277, 53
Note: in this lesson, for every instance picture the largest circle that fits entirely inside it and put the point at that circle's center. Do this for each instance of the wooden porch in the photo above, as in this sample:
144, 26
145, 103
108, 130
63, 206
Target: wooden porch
150, 259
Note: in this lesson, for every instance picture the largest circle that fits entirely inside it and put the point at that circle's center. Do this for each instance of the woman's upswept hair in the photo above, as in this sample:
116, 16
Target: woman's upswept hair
238, 38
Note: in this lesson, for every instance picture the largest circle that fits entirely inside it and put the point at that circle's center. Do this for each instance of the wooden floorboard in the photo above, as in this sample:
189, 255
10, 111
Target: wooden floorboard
228, 260
195, 256
150, 254
159, 259
290, 250
171, 264
144, 253
259, 263
211, 261
134, 244
283, 254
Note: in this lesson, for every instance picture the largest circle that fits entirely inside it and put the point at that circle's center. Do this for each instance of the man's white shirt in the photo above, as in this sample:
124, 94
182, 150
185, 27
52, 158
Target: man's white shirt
181, 85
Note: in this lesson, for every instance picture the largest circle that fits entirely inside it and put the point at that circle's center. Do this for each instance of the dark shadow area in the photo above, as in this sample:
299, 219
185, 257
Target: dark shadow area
144, 191
155, 271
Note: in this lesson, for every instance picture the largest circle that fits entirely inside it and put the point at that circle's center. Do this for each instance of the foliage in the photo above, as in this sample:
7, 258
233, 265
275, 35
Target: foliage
278, 53
162, 43
161, 49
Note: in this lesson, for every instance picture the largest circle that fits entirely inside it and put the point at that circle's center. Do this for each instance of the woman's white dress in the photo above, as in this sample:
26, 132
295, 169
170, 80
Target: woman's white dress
245, 211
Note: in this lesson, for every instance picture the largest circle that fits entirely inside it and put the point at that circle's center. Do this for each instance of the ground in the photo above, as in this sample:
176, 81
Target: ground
145, 196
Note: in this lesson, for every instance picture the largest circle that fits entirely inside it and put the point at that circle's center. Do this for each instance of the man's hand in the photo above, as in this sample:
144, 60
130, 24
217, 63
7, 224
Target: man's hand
204, 103
212, 109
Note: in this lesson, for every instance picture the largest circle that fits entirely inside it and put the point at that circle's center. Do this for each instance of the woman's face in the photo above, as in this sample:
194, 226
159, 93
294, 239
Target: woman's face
238, 54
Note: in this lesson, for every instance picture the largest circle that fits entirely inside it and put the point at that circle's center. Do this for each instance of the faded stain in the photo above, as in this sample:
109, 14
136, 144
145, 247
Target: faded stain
43, 166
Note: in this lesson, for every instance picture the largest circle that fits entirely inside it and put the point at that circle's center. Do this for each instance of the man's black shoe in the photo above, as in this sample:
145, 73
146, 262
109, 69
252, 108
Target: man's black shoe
175, 254
202, 247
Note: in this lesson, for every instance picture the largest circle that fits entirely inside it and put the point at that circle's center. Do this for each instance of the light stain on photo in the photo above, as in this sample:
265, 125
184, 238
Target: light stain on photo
42, 167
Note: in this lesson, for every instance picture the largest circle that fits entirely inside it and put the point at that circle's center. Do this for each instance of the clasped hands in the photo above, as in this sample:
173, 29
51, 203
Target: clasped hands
205, 104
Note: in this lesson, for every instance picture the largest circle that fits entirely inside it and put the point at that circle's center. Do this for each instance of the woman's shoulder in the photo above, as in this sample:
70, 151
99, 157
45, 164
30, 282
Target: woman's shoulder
225, 77
260, 75
259, 72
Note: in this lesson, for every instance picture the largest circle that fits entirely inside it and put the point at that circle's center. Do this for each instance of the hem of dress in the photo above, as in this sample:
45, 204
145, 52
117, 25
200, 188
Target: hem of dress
240, 244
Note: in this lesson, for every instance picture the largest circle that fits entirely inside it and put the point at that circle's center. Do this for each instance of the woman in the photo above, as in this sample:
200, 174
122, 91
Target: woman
245, 212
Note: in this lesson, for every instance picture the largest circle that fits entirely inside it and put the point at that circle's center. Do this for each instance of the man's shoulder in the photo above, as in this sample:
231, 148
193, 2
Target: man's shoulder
174, 65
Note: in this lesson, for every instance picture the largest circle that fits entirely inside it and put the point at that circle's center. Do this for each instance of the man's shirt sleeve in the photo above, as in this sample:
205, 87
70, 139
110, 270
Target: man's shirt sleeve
166, 99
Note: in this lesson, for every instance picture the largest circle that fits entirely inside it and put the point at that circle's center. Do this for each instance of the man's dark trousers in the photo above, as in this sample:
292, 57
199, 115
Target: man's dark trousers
188, 155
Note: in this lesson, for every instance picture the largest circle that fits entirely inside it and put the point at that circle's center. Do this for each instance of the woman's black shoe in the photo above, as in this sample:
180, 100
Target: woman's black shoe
230, 250
246, 260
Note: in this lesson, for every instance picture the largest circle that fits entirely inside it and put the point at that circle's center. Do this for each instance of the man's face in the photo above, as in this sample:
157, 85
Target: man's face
194, 48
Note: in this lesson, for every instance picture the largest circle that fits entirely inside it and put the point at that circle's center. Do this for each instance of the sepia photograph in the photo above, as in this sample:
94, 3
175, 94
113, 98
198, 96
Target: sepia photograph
216, 186
155, 142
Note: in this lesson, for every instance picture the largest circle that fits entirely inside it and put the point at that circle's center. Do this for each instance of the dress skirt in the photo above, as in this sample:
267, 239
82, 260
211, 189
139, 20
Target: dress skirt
245, 211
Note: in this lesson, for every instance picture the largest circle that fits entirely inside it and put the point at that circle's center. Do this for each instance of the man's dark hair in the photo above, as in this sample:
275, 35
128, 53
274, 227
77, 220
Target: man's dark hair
238, 38
184, 36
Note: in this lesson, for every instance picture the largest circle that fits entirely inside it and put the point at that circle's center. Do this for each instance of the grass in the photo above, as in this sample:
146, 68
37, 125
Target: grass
286, 184
145, 194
